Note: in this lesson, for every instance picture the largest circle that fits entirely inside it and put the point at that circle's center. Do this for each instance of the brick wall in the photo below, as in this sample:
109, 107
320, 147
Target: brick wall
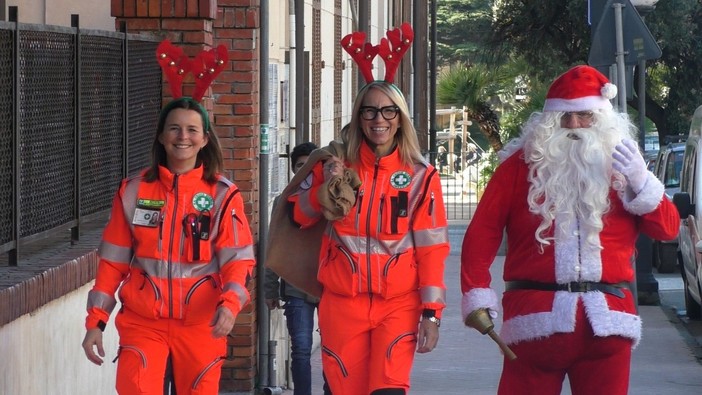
234, 110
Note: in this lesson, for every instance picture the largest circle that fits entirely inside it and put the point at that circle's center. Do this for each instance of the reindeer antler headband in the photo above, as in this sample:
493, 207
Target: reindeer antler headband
391, 49
176, 65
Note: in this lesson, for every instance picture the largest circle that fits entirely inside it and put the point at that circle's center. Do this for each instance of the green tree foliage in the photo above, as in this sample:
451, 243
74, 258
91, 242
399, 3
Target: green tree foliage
461, 28
677, 26
552, 35
474, 86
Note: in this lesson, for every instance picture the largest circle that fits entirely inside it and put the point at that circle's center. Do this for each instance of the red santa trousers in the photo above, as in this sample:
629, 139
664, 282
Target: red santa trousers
594, 365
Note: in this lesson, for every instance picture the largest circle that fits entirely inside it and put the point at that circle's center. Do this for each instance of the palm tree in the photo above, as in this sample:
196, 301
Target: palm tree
476, 87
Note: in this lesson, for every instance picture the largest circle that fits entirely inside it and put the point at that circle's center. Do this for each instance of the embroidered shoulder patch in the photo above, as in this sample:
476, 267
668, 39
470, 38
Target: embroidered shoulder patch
400, 179
203, 202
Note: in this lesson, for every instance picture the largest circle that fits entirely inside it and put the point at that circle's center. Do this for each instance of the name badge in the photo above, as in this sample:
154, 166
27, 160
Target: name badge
145, 217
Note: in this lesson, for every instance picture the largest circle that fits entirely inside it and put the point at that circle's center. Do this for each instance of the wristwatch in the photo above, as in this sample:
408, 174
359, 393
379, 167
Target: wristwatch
430, 315
434, 320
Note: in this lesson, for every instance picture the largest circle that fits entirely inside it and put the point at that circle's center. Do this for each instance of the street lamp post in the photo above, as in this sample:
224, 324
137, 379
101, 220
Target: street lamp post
646, 284
644, 7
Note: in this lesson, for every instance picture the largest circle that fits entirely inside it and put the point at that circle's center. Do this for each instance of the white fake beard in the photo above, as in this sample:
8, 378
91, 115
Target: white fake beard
570, 176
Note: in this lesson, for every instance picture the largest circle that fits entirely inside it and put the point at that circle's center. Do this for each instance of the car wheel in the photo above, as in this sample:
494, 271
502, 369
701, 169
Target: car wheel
694, 310
667, 255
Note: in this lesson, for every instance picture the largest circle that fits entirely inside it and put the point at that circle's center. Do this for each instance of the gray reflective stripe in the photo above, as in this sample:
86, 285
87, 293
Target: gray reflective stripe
357, 244
239, 290
101, 300
433, 295
303, 202
129, 200
232, 254
430, 237
223, 186
115, 253
178, 269
420, 172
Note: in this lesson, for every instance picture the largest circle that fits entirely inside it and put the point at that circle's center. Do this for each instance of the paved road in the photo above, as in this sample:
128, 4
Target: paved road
667, 362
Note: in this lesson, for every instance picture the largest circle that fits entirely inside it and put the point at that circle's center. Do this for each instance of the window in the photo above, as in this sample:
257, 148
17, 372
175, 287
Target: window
673, 167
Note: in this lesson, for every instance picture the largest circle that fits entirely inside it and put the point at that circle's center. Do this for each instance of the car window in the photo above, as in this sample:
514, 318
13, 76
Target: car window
672, 170
654, 162
693, 166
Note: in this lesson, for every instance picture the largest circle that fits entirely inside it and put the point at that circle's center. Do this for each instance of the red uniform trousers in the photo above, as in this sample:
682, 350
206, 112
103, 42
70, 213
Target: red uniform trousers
145, 344
594, 365
371, 344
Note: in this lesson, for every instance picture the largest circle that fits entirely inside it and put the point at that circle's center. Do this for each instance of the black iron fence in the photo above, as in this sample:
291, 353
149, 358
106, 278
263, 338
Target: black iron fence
462, 183
78, 109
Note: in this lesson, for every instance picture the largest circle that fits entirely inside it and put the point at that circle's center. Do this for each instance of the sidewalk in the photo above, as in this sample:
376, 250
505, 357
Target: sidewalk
466, 362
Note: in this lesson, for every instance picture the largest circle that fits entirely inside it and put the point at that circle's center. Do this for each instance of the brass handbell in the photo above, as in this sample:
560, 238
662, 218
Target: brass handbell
480, 320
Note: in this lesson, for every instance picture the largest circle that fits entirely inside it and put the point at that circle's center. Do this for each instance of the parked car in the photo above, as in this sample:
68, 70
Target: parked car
689, 204
667, 168
650, 158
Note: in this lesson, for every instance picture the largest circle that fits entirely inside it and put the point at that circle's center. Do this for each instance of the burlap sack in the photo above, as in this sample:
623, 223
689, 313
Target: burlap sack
338, 195
293, 253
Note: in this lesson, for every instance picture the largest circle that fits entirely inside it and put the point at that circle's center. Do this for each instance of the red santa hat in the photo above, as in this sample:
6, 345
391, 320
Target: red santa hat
581, 88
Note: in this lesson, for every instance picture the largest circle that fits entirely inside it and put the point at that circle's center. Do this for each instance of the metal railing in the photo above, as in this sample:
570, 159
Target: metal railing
461, 184
78, 109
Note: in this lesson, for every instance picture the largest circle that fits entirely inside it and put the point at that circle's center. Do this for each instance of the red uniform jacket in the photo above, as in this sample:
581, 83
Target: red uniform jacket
170, 263
534, 314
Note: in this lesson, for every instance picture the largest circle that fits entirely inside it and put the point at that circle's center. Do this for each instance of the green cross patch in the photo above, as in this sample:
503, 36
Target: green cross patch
203, 201
400, 179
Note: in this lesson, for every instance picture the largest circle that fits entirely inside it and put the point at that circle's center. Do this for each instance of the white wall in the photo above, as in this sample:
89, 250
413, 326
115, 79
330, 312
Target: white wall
42, 354
93, 14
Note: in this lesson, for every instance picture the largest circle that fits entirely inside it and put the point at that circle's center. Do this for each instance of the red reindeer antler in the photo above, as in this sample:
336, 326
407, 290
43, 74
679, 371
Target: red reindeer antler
174, 64
361, 52
400, 39
206, 66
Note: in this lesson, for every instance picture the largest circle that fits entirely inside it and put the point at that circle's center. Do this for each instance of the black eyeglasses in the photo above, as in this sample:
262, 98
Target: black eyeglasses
388, 112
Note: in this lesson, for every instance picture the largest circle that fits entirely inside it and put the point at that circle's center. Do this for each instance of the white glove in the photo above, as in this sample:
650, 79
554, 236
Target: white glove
629, 161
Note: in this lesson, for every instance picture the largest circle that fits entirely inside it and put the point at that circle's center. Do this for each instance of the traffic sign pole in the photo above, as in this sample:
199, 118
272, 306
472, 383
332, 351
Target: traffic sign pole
621, 74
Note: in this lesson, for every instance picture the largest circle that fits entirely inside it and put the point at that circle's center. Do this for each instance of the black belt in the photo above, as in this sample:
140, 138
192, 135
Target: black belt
574, 286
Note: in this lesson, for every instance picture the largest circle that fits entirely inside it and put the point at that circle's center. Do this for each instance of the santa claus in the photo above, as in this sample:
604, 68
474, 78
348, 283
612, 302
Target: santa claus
571, 194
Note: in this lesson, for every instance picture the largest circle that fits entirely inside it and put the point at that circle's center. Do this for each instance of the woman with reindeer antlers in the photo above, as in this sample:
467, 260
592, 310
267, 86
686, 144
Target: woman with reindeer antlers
381, 261
179, 245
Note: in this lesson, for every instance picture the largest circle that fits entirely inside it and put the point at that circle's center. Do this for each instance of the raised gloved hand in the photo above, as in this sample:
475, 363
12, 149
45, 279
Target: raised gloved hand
629, 161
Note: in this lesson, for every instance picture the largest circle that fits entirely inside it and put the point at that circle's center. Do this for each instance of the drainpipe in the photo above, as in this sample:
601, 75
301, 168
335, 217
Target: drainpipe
292, 69
301, 134
363, 22
266, 353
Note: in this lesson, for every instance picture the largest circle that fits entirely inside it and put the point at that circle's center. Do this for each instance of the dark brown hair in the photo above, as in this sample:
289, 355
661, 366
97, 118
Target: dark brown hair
210, 156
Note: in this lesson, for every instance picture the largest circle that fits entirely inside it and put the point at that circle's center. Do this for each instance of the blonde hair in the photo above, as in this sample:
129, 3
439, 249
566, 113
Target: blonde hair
405, 138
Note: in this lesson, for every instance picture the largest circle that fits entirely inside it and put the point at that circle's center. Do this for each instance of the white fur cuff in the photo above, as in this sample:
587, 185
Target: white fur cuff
479, 298
647, 200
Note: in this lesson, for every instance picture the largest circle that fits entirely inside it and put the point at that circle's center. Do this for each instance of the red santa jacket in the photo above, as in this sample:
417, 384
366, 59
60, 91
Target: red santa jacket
534, 314
393, 241
179, 246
